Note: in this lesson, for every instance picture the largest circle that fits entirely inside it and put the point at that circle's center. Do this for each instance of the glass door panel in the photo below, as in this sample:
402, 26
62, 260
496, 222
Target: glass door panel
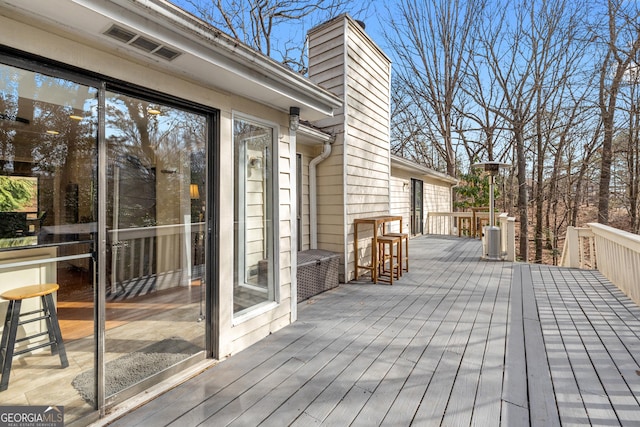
416, 207
48, 140
155, 252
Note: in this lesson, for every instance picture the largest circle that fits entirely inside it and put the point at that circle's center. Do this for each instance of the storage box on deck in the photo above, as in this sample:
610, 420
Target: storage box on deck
317, 272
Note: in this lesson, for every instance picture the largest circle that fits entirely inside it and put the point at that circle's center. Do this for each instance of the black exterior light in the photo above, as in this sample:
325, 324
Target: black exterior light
294, 118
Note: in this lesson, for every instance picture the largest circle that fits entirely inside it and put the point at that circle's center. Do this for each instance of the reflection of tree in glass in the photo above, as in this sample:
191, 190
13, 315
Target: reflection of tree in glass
147, 139
15, 193
8, 109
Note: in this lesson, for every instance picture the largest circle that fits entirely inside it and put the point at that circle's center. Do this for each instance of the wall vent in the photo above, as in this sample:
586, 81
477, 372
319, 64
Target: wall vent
145, 44
166, 53
129, 37
120, 33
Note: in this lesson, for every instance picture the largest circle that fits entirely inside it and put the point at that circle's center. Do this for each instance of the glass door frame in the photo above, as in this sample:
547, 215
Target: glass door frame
417, 207
98, 257
211, 242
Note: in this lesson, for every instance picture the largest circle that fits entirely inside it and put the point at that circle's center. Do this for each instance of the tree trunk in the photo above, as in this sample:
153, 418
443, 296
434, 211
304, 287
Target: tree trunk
539, 177
605, 170
523, 194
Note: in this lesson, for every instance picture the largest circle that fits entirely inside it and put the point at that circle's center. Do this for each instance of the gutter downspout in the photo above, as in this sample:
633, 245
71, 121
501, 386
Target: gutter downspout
313, 210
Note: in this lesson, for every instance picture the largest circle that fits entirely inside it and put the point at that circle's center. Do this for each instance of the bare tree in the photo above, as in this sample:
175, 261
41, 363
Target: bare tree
431, 39
622, 42
510, 66
256, 23
529, 55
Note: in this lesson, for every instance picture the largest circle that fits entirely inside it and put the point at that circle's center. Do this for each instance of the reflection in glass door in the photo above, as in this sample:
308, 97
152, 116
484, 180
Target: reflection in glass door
48, 211
416, 207
155, 253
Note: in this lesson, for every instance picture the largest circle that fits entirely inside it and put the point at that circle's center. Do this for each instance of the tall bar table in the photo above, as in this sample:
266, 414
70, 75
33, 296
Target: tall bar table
376, 222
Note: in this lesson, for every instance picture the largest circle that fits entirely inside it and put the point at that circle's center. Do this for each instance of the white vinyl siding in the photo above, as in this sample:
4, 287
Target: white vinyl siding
355, 178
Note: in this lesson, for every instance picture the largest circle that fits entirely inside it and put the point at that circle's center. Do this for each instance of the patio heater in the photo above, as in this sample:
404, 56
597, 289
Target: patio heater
491, 233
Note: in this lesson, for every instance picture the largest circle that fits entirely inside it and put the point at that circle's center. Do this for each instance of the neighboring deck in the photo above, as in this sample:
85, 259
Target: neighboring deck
457, 341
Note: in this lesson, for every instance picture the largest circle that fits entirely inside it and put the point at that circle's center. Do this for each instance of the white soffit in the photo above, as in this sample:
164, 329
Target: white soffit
205, 55
308, 135
415, 168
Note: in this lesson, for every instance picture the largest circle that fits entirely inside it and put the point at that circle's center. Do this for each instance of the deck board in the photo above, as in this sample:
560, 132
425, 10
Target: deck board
456, 341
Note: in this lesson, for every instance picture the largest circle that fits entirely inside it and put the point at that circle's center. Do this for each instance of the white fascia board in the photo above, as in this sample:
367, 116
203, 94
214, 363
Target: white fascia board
410, 166
311, 136
199, 39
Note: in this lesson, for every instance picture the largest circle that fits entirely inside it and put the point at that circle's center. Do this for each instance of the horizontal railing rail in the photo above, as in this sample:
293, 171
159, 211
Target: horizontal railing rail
469, 224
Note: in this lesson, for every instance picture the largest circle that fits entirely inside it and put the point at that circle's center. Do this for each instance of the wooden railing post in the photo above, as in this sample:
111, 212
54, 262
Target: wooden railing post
511, 239
507, 226
570, 251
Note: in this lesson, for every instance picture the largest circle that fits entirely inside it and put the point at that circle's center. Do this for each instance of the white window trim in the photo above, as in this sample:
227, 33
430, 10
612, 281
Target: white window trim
267, 306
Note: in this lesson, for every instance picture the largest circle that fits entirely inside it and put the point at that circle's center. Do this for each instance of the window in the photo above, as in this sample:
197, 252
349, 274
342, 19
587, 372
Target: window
254, 261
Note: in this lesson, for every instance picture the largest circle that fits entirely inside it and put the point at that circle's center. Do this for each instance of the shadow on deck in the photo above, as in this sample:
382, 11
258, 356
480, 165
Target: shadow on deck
457, 341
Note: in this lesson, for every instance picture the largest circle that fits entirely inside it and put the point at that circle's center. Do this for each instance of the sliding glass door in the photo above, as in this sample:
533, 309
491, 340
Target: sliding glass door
105, 195
156, 188
48, 224
416, 207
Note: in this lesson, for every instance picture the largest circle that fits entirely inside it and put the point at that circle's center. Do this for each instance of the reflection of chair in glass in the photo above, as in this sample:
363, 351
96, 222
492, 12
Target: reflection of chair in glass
12, 321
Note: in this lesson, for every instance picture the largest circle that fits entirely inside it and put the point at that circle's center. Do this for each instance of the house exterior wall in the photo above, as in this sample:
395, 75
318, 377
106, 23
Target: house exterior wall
436, 198
234, 335
308, 152
355, 179
400, 193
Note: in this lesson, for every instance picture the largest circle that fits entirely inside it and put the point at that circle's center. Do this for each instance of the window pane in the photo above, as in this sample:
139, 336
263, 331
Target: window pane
253, 261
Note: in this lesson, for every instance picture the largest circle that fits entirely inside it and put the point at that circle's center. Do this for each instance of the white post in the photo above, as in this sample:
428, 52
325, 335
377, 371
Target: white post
511, 239
571, 249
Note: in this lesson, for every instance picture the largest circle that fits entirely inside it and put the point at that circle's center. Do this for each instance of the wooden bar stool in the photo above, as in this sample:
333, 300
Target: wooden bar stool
393, 256
404, 252
12, 321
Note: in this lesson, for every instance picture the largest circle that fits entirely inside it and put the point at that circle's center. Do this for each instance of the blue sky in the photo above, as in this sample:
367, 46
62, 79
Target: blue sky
367, 11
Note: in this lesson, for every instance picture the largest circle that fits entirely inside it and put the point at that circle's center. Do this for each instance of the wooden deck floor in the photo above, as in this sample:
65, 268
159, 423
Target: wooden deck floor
457, 341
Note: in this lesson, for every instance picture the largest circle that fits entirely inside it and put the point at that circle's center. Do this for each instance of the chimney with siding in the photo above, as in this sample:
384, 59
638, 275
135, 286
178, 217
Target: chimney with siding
354, 181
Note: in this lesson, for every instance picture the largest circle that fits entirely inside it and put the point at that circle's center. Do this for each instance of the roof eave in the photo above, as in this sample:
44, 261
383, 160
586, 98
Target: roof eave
207, 53
410, 166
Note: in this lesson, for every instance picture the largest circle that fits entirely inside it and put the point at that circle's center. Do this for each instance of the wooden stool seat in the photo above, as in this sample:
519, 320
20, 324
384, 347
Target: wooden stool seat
30, 291
393, 244
404, 252
12, 321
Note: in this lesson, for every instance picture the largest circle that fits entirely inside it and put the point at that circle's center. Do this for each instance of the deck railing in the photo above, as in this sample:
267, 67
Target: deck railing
579, 248
469, 224
615, 253
166, 250
461, 224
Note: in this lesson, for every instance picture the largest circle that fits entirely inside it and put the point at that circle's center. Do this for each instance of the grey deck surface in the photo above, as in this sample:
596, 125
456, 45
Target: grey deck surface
457, 341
